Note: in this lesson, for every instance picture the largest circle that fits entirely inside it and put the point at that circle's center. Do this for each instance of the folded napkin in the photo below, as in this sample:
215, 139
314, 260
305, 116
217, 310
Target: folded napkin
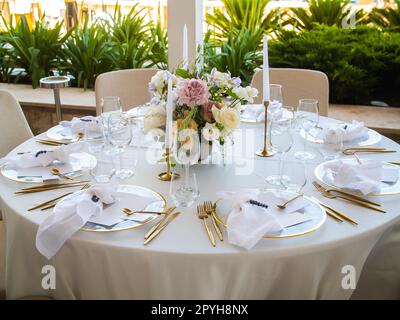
43, 157
87, 125
365, 177
257, 111
69, 216
351, 131
247, 222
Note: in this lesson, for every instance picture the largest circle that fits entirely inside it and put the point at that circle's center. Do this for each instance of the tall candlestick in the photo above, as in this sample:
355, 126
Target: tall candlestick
266, 95
169, 111
185, 55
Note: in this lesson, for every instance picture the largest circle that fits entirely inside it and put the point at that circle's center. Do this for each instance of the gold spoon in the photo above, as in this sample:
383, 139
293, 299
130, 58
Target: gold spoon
129, 212
283, 205
58, 173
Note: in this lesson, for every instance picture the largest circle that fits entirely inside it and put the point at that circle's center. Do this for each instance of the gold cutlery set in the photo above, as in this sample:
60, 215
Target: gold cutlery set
350, 151
51, 186
203, 212
57, 143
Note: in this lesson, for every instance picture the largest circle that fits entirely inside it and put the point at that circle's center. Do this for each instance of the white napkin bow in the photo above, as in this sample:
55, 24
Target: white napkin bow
365, 177
43, 157
87, 124
69, 216
257, 111
351, 131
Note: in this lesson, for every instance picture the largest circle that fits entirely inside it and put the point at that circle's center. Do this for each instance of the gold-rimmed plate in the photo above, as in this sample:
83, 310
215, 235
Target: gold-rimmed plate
386, 189
155, 202
371, 138
79, 164
64, 134
314, 211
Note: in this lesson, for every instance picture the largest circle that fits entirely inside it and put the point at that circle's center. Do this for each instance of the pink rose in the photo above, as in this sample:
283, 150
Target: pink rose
206, 112
193, 92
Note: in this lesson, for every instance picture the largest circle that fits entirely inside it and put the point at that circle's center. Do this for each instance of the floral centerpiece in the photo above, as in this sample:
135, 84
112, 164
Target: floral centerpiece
208, 103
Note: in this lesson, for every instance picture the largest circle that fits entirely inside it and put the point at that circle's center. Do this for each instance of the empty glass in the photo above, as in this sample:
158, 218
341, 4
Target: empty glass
276, 102
102, 168
333, 143
109, 105
120, 136
186, 149
282, 142
297, 173
307, 119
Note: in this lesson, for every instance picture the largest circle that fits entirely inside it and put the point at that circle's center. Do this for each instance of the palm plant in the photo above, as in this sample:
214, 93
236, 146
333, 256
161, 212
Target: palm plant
35, 50
158, 43
128, 39
322, 12
86, 54
6, 62
387, 18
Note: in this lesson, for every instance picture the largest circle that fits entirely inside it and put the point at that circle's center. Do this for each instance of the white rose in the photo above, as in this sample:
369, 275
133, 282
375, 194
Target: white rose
251, 93
155, 117
210, 132
229, 118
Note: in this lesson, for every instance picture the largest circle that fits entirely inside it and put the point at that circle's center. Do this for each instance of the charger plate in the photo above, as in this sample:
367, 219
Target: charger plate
80, 163
386, 188
157, 203
316, 212
370, 139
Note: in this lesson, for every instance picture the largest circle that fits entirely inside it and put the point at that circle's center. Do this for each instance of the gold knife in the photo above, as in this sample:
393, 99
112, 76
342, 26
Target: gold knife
155, 227
157, 232
342, 215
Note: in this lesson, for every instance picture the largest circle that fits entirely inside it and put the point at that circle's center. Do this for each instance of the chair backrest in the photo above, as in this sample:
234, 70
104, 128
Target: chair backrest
131, 85
297, 84
14, 128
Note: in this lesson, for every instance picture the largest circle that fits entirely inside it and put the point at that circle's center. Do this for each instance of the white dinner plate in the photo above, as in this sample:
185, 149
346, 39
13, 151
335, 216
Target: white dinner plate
314, 211
128, 197
370, 139
286, 115
79, 164
385, 188
64, 134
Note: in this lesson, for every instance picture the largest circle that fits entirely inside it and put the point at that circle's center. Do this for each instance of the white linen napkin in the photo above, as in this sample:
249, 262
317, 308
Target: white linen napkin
257, 111
350, 131
247, 223
87, 125
43, 157
69, 216
365, 177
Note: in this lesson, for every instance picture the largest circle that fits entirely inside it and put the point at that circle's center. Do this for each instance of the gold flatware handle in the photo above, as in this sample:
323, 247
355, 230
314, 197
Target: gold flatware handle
155, 227
361, 203
334, 216
210, 235
54, 185
216, 228
48, 189
49, 201
395, 163
49, 206
157, 232
354, 196
340, 214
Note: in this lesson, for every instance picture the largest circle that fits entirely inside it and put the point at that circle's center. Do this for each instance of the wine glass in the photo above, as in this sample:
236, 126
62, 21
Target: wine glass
183, 187
276, 101
282, 141
297, 173
102, 167
109, 105
120, 136
333, 143
307, 119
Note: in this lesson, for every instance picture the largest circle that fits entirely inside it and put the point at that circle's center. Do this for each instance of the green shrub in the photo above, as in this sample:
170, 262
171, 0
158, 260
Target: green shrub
158, 43
35, 50
7, 62
86, 54
361, 63
388, 17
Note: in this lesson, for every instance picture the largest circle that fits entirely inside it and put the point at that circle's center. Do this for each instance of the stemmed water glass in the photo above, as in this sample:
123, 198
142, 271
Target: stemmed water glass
282, 140
307, 118
120, 136
297, 173
109, 105
183, 188
276, 102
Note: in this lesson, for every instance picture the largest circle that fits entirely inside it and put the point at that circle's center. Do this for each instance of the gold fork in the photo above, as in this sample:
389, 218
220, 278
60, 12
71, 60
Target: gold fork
329, 195
208, 207
86, 186
203, 216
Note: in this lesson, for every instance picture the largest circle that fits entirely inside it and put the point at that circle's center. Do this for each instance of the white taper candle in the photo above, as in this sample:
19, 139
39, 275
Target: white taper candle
265, 70
169, 119
185, 54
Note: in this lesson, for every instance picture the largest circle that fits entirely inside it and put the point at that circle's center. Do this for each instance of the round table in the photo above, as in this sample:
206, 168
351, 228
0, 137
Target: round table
180, 263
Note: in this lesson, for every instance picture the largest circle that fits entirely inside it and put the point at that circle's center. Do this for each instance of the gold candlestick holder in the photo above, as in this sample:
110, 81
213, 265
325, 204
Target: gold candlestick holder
166, 176
265, 152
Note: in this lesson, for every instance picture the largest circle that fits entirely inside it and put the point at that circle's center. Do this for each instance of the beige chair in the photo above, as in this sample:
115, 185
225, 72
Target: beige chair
130, 85
14, 130
297, 84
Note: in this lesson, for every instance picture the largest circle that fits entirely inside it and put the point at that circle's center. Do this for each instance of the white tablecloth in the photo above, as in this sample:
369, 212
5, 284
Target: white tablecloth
181, 264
